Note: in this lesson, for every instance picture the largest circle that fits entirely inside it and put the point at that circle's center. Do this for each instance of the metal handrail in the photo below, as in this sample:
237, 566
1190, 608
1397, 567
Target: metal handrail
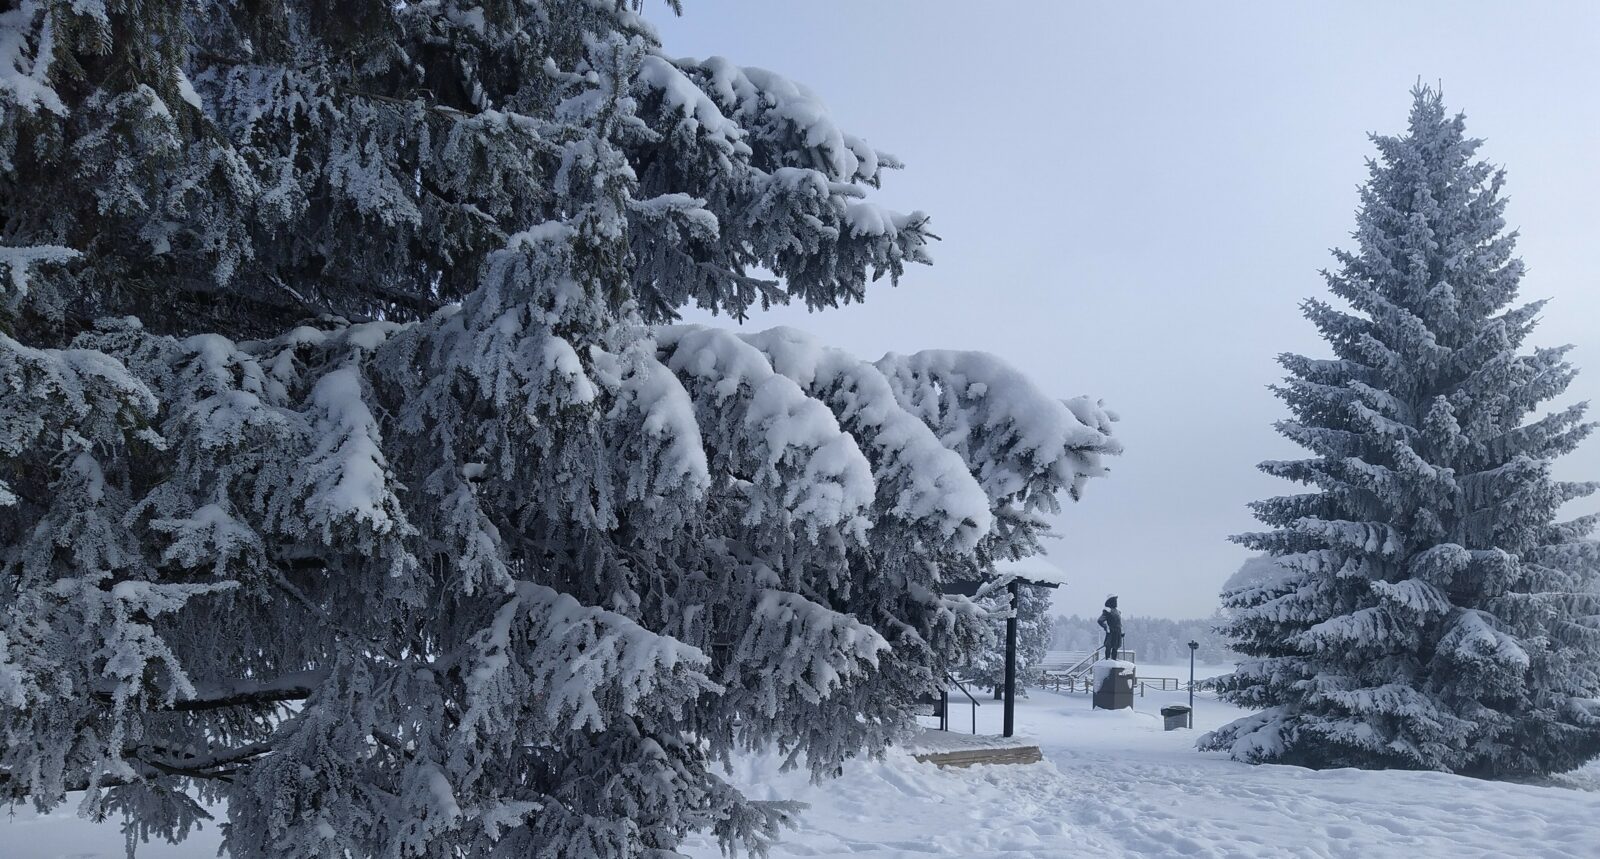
1082, 666
963, 688
1080, 669
1084, 663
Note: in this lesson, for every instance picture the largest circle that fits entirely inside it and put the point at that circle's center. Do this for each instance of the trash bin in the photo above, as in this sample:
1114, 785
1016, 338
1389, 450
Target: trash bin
1174, 717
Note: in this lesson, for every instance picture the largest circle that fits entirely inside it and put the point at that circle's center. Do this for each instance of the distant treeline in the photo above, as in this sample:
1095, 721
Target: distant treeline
1152, 639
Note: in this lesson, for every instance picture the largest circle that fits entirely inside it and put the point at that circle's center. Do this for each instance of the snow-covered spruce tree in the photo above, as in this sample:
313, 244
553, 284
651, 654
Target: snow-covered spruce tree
347, 480
1429, 611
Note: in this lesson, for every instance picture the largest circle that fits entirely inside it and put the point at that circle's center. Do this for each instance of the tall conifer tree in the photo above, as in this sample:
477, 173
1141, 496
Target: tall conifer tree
1430, 611
354, 481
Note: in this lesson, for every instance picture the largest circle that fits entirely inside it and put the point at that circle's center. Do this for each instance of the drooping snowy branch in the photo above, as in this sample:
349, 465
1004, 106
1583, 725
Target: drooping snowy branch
1024, 447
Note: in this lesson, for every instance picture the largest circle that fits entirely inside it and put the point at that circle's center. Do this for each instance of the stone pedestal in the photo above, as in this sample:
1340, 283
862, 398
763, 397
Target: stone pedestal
1115, 688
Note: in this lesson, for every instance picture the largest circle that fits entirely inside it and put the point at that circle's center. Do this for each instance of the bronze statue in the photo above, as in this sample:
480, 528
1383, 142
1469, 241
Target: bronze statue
1111, 621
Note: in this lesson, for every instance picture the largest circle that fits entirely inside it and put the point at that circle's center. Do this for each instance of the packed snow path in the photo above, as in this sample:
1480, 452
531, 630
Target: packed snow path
1111, 785
1115, 784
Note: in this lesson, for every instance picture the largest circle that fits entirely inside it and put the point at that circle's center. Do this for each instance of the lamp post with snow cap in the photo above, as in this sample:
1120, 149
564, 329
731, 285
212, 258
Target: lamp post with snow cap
1009, 719
1193, 646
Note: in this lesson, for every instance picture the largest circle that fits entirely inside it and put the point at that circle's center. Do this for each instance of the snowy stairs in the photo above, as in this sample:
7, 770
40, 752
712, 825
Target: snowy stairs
1068, 665
1071, 668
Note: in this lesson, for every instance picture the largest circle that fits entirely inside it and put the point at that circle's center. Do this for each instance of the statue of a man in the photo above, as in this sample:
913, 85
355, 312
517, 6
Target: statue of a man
1111, 621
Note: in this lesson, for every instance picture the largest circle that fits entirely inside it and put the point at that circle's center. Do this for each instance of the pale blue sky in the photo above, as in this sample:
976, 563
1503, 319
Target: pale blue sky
1134, 198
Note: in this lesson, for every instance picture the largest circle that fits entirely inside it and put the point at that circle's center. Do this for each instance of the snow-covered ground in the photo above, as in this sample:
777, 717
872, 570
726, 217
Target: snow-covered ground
1111, 784
1116, 784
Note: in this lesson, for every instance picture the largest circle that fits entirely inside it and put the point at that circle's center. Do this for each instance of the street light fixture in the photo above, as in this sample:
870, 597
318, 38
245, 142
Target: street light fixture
1193, 646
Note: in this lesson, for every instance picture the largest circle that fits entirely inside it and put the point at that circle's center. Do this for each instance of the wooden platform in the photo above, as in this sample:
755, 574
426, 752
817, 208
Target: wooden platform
951, 749
1009, 755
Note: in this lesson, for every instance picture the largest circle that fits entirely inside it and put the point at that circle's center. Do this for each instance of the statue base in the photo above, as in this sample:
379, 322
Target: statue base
1115, 689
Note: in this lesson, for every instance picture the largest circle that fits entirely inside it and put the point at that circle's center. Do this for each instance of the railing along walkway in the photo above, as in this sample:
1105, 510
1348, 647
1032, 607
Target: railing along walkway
1073, 671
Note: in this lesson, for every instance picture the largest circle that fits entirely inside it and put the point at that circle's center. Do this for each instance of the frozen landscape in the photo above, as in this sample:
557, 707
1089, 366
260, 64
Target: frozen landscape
507, 429
1112, 784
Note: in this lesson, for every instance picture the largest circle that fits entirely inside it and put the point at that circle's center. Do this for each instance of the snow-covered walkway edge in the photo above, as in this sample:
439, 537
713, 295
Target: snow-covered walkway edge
1116, 784
1111, 785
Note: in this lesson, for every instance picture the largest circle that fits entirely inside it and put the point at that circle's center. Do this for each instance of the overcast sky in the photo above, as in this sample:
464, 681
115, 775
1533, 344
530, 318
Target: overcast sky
1135, 197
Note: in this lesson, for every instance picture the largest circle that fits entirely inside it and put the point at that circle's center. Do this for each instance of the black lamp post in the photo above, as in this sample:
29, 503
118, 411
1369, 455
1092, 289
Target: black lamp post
1193, 646
1011, 662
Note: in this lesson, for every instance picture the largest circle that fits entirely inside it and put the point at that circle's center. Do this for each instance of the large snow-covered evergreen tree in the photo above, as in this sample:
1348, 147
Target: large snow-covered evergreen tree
352, 476
1428, 609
